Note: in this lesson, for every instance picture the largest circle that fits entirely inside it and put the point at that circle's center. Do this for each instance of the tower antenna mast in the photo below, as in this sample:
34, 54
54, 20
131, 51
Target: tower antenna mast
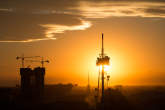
88, 83
102, 52
102, 72
101, 61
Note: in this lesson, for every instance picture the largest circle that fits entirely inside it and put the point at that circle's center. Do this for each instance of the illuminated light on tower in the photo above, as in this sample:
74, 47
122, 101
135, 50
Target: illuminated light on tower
102, 61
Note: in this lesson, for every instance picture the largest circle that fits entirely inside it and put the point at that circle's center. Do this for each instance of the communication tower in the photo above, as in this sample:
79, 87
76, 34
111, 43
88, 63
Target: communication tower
101, 61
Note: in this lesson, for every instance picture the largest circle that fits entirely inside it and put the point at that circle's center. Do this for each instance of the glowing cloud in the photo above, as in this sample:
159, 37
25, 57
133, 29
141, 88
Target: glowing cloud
6, 9
121, 9
57, 17
54, 29
31, 40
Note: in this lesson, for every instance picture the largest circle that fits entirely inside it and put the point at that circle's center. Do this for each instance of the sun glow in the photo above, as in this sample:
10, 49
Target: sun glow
106, 68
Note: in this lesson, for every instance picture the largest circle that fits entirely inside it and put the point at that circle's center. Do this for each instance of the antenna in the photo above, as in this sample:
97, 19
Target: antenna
88, 78
88, 83
102, 50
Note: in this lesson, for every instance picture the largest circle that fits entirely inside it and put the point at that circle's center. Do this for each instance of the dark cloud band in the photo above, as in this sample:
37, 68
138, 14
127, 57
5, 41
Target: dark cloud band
29, 20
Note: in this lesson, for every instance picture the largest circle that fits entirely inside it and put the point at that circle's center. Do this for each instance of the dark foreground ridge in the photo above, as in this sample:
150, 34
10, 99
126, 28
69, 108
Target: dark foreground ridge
72, 97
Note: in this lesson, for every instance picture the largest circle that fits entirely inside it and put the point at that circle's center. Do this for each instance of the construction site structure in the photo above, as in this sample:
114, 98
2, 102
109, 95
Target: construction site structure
23, 59
42, 61
32, 79
101, 61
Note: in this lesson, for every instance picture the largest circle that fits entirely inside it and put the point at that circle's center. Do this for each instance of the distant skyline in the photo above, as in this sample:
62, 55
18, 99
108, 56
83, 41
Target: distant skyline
68, 33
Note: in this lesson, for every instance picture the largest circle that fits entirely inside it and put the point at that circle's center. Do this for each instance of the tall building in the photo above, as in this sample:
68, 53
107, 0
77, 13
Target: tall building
32, 79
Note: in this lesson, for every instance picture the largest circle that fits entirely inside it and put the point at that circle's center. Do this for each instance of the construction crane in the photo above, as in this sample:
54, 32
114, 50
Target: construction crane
23, 58
42, 61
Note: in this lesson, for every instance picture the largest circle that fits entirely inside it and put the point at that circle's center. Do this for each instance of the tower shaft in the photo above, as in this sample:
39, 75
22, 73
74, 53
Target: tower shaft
102, 98
102, 55
102, 50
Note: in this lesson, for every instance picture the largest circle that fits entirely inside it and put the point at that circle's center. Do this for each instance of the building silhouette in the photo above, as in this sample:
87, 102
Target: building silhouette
32, 79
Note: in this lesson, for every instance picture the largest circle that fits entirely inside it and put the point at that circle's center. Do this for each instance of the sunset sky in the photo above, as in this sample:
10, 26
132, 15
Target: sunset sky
68, 33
